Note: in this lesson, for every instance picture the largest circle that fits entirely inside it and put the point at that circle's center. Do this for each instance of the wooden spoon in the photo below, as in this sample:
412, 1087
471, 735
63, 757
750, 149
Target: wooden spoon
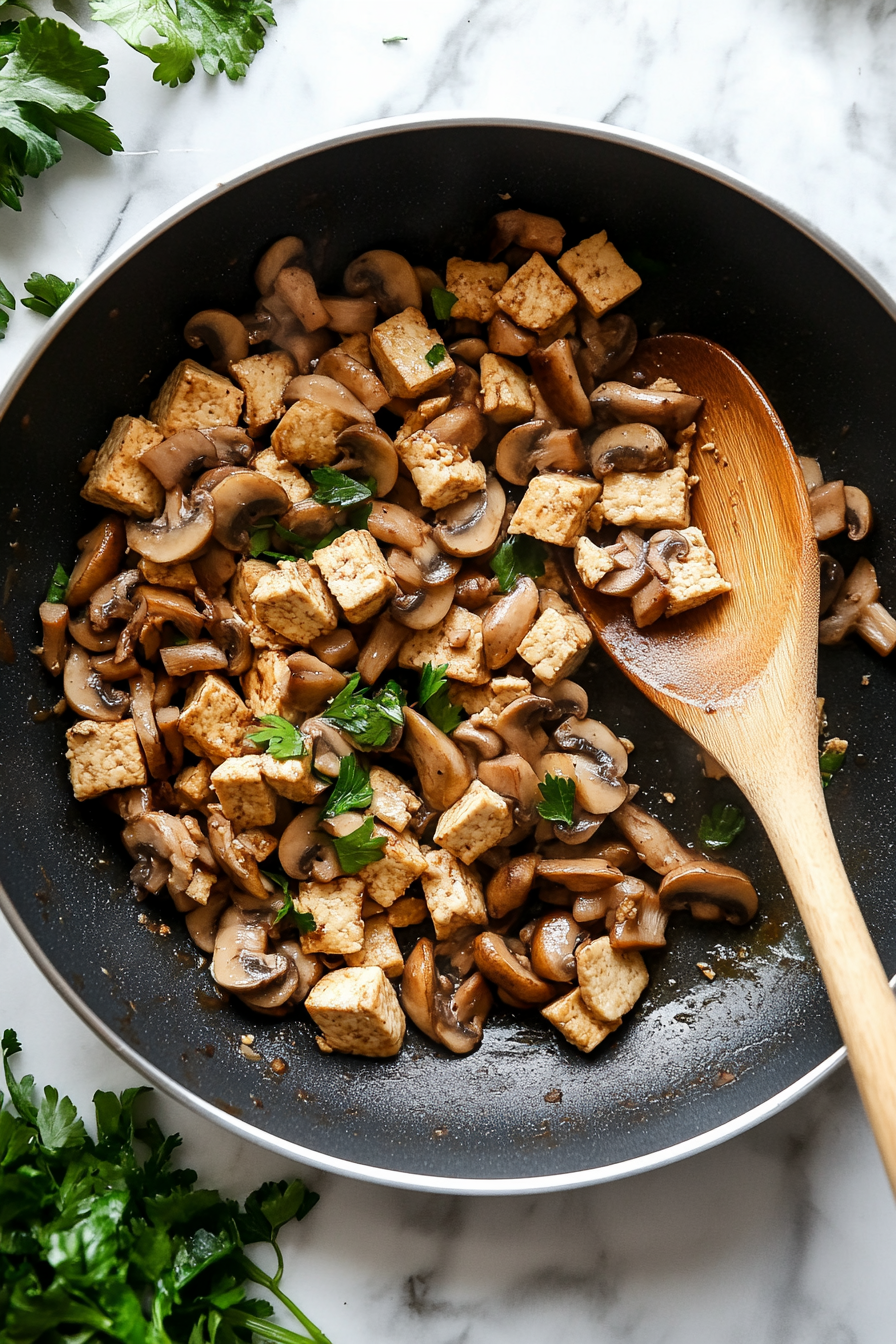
739, 675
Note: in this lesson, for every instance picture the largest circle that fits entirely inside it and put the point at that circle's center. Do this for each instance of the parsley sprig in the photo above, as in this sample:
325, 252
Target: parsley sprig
442, 303
280, 738
47, 293
433, 698
519, 556
58, 585
723, 825
222, 35
6, 301
367, 719
558, 799
352, 790
359, 847
339, 490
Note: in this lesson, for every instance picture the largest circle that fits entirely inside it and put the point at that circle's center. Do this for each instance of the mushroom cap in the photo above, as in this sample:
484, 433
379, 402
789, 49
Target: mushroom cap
302, 844
442, 768
471, 526
237, 863
552, 948
434, 565
508, 888
653, 841
164, 838
508, 621
423, 609
827, 504
317, 387
309, 967
557, 378
83, 633
630, 447
102, 551
520, 726
513, 778
615, 403
540, 233
385, 276
596, 791
631, 574
224, 334
510, 972
859, 514
452, 1016
202, 923
239, 962
568, 696
708, 883
282, 253
463, 425
87, 694
579, 875
664, 546
240, 499
312, 681
481, 742
859, 591
609, 343
516, 457
327, 745
177, 457
594, 739
369, 449
395, 526
114, 600
180, 533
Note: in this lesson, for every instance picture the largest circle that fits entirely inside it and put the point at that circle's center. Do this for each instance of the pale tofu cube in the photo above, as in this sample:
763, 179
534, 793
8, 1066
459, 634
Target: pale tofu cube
611, 981
295, 602
293, 779
288, 477
358, 1012
180, 575
193, 397
476, 823
475, 283
556, 645
257, 842
249, 574
596, 517
694, 578
117, 480
266, 686
388, 878
573, 1020
214, 721
400, 346
442, 644
592, 562
192, 788
104, 756
308, 431
535, 297
420, 416
246, 797
406, 912
646, 498
505, 390
336, 910
483, 704
598, 274
380, 948
453, 894
200, 886
442, 472
555, 508
356, 573
263, 378
393, 802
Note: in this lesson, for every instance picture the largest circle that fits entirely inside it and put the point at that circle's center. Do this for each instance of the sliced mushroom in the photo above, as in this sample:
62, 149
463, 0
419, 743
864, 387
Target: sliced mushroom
381, 649
296, 287
552, 948
337, 648
309, 968
182, 660
569, 698
274, 995
518, 454
350, 317
609, 343
514, 779
395, 526
436, 568
453, 1017
214, 569
83, 633
330, 394
114, 600
554, 370
312, 681
649, 603
481, 744
224, 334
812, 473
654, 842
629, 448
510, 971
164, 850
386, 277
857, 608
240, 499
520, 726
102, 551
284, 252
180, 533
506, 338
231, 634
202, 923
87, 694
167, 604
662, 547
859, 514
832, 576
620, 403
423, 609
828, 506
54, 623
712, 890
462, 425
579, 875
240, 962
370, 450
304, 851
468, 348
143, 714
167, 718
361, 381
470, 527
638, 920
538, 233
134, 631
507, 622
595, 739
237, 863
174, 460
584, 827
634, 574
442, 767
326, 744
598, 791
508, 889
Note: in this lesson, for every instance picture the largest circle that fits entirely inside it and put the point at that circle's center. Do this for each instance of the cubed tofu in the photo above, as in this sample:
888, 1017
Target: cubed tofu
453, 894
402, 862
249, 574
555, 508
556, 645
358, 1012
483, 704
307, 433
193, 397
598, 274
295, 602
380, 948
611, 981
476, 823
266, 686
263, 378
465, 662
200, 886
246, 797
104, 756
505, 390
442, 472
257, 842
117, 480
288, 477
475, 283
646, 498
293, 779
694, 578
356, 573
214, 721
393, 802
336, 910
406, 912
400, 346
535, 297
592, 562
192, 788
573, 1020
420, 416
181, 575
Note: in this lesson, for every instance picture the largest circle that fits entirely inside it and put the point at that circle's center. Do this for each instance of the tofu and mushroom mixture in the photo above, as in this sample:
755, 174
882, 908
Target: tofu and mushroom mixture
321, 654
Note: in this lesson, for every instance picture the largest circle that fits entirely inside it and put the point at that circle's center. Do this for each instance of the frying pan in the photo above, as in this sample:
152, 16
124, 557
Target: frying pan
699, 1059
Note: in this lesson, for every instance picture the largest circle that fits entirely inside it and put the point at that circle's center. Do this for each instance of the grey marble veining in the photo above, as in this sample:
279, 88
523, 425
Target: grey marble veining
785, 1235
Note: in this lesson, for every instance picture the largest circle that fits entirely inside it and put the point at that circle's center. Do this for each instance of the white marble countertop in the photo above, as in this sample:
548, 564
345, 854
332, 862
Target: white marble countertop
786, 1233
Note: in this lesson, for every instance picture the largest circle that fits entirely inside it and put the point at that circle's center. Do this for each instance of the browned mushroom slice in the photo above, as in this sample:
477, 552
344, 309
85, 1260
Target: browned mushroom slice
442, 767
240, 962
712, 891
134, 631
312, 681
277, 992
649, 603
569, 698
202, 923
519, 452
240, 499
510, 970
859, 514
180, 533
381, 649
83, 633
592, 738
520, 726
102, 551
296, 287
857, 609
637, 920
436, 568
369, 449
470, 527
304, 851
423, 609
114, 601
182, 660
812, 473
142, 713
167, 718
598, 791
350, 317
327, 745
54, 623
506, 338
330, 394
480, 743
664, 546
395, 526
552, 947
226, 337
337, 648
87, 694
361, 381
169, 605
174, 460
463, 426
654, 842
828, 506
282, 253
474, 588
609, 343
309, 968
214, 568
508, 889
555, 373
629, 447
832, 577
538, 233
469, 348
237, 863
579, 875
164, 850
514, 779
507, 622
453, 1017
633, 573
387, 277
618, 403
231, 634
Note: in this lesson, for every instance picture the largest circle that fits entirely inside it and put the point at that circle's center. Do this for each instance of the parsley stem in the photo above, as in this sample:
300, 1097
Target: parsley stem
266, 1329
258, 1276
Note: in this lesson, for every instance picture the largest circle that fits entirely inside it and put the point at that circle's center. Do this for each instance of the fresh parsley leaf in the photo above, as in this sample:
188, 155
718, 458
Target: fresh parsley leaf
273, 1205
351, 791
724, 824
442, 303
180, 639
359, 847
303, 920
58, 585
832, 759
434, 697
387, 41
432, 679
223, 35
339, 490
260, 538
518, 556
367, 720
279, 880
559, 795
6, 301
435, 356
280, 738
47, 292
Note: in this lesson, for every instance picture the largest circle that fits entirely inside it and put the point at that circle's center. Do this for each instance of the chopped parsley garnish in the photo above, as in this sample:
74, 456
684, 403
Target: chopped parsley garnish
518, 556
303, 919
724, 824
369, 721
351, 791
58, 585
442, 303
267, 530
387, 41
280, 738
359, 847
223, 35
433, 697
6, 301
435, 356
47, 292
559, 795
339, 490
832, 758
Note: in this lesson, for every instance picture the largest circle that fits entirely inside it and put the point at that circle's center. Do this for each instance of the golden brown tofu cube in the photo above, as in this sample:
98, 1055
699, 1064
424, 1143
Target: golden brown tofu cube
117, 480
295, 602
535, 297
358, 1012
647, 498
288, 477
393, 802
356, 573
214, 721
573, 1020
104, 756
598, 274
267, 686
442, 472
483, 704
505, 390
293, 779
453, 893
400, 346
611, 981
192, 788
476, 823
380, 948
180, 576
555, 508
389, 877
455, 641
336, 910
249, 574
556, 645
263, 378
246, 797
475, 283
694, 578
307, 432
193, 397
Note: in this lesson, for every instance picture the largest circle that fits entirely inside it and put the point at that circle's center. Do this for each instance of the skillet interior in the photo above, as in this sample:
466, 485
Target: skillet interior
695, 1054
